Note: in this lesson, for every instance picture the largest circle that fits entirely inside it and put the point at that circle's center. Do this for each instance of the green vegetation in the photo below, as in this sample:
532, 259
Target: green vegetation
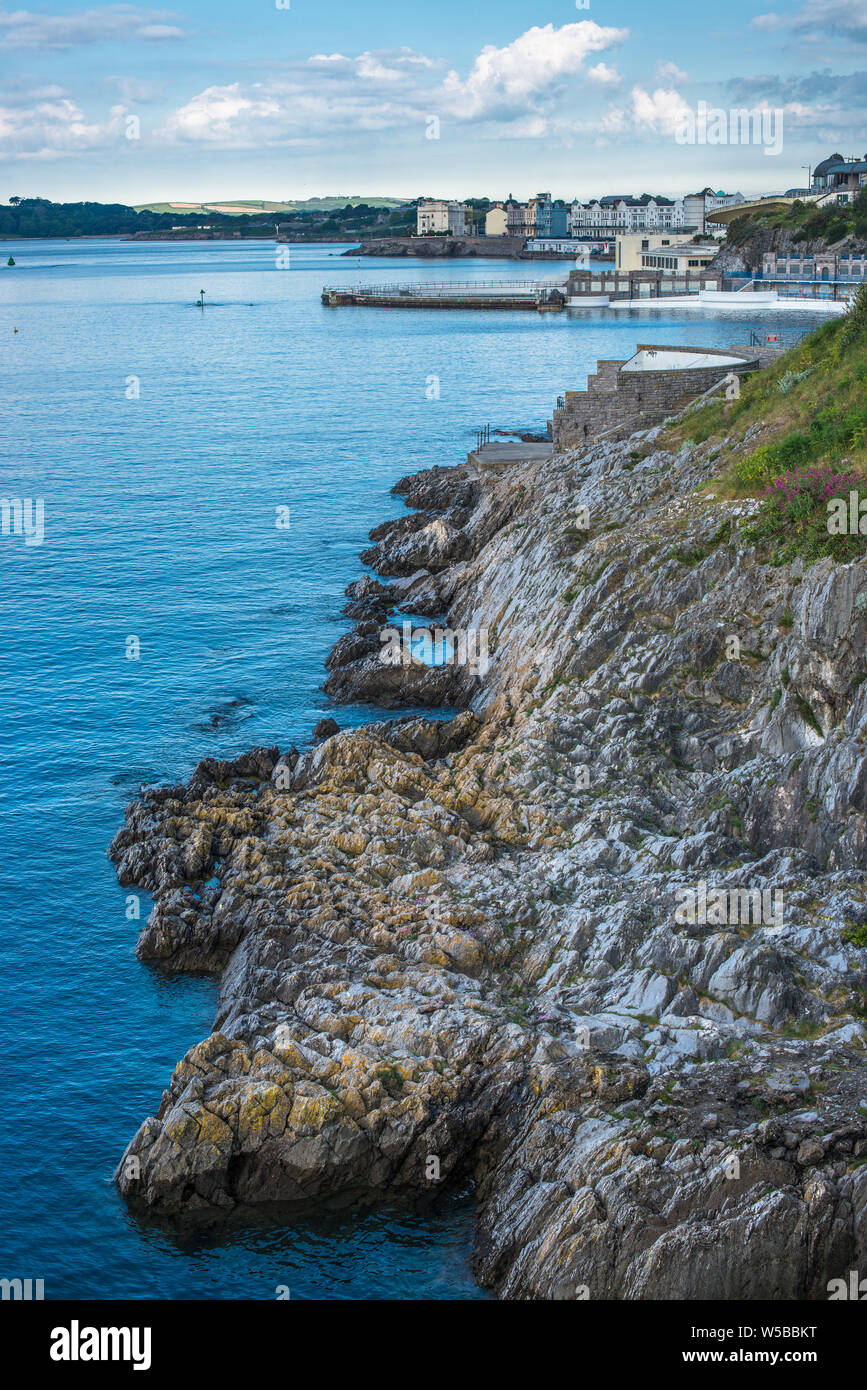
795, 438
805, 221
856, 936
697, 553
794, 515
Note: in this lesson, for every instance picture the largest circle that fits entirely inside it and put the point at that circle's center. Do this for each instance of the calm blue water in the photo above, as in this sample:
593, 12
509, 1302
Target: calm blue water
160, 518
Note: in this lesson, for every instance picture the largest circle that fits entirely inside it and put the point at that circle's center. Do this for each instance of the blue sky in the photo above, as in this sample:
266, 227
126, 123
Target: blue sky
245, 99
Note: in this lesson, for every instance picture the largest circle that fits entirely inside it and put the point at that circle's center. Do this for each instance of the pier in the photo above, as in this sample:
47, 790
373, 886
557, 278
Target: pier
544, 297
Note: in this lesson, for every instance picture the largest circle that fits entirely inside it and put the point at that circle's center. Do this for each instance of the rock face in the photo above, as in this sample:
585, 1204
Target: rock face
494, 947
747, 254
440, 247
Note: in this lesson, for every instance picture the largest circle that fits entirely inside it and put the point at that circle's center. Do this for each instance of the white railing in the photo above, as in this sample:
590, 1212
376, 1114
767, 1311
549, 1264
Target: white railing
450, 287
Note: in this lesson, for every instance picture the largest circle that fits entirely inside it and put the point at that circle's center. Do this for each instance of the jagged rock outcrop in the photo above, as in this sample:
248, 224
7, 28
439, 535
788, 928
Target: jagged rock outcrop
493, 947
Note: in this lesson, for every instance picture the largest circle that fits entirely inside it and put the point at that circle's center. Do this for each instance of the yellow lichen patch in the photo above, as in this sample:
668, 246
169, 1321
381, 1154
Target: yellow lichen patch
431, 955
264, 1110
289, 1052
214, 1052
349, 842
461, 949
315, 1111
196, 1126
353, 1103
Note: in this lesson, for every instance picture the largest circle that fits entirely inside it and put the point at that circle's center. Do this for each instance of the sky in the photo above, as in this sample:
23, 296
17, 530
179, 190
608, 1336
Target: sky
286, 99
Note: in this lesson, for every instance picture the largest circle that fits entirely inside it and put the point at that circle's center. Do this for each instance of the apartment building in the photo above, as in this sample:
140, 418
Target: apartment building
550, 218
521, 218
622, 213
496, 222
436, 215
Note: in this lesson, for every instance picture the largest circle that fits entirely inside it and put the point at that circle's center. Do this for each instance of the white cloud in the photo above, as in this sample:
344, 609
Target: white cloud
648, 113
604, 76
819, 20
659, 112
223, 115
52, 126
528, 68
23, 29
670, 72
517, 91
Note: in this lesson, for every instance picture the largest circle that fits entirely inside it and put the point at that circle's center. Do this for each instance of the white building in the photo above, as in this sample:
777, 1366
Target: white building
698, 205
613, 214
627, 214
439, 215
712, 201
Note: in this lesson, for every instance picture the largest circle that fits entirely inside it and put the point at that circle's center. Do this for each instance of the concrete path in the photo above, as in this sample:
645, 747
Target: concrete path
493, 455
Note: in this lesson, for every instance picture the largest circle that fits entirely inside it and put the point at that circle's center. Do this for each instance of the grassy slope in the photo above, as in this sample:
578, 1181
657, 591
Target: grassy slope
809, 407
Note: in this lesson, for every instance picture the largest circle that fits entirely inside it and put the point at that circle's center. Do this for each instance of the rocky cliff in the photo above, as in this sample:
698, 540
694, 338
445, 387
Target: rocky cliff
484, 948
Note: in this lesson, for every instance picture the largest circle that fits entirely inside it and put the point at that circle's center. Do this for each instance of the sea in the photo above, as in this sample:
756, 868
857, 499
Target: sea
207, 446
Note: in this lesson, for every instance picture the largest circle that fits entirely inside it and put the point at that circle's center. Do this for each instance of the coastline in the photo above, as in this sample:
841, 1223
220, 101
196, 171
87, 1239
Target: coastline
439, 941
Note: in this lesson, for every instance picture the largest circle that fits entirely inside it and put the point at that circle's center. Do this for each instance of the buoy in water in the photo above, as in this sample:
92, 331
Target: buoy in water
11, 260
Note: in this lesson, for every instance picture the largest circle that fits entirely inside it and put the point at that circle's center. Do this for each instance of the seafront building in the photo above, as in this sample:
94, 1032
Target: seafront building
496, 222
437, 216
818, 265
551, 218
843, 177
615, 214
552, 222
520, 218
680, 257
630, 246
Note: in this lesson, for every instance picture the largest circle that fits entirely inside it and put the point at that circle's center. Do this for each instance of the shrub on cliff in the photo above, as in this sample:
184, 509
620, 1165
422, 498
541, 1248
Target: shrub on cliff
832, 432
794, 514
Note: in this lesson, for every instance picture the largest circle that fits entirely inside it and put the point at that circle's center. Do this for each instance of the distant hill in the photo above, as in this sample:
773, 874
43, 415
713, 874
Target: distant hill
39, 217
237, 207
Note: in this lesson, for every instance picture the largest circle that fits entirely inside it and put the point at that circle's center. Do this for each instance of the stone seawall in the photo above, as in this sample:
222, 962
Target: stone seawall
621, 402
